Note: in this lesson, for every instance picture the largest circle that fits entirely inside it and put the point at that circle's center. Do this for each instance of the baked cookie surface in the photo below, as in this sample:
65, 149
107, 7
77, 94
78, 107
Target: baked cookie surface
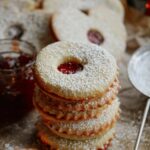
99, 70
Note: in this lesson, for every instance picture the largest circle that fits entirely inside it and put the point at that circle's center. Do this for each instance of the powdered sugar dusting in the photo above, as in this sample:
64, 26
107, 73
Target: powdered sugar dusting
99, 70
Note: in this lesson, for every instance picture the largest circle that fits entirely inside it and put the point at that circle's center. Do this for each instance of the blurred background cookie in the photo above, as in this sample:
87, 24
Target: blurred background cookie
30, 26
104, 29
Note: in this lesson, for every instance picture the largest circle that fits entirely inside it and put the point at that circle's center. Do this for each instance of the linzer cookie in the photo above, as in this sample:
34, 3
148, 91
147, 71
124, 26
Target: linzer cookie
75, 71
102, 29
76, 96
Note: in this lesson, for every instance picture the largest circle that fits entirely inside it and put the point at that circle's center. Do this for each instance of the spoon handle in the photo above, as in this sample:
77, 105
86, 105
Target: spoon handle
142, 125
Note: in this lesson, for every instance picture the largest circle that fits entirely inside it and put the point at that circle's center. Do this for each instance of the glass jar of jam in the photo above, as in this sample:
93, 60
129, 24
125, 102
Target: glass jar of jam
16, 78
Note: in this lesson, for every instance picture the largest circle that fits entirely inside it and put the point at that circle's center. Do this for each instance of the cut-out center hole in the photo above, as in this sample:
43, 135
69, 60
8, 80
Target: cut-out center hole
15, 31
95, 37
70, 67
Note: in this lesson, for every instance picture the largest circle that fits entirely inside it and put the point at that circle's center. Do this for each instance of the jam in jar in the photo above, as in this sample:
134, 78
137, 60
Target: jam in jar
16, 78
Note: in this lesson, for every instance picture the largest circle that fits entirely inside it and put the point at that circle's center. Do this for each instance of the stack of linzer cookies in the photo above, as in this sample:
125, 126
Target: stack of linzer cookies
76, 96
77, 77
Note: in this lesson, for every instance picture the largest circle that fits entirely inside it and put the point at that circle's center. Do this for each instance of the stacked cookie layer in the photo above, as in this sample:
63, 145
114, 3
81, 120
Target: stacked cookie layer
76, 96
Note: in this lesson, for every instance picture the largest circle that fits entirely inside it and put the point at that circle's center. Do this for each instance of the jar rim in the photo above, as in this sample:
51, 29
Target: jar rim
10, 42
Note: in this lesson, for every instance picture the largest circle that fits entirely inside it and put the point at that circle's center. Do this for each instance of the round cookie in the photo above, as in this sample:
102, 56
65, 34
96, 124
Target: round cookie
95, 70
86, 129
73, 25
53, 141
54, 5
30, 26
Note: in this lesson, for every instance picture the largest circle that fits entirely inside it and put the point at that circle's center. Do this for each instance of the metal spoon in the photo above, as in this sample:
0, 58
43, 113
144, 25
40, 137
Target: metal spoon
139, 74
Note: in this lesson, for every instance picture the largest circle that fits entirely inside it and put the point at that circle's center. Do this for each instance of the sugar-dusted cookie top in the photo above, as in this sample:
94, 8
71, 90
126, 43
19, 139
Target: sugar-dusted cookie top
75, 71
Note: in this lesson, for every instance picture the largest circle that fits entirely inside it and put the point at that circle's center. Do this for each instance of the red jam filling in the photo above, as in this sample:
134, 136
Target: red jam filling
95, 37
70, 67
15, 62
